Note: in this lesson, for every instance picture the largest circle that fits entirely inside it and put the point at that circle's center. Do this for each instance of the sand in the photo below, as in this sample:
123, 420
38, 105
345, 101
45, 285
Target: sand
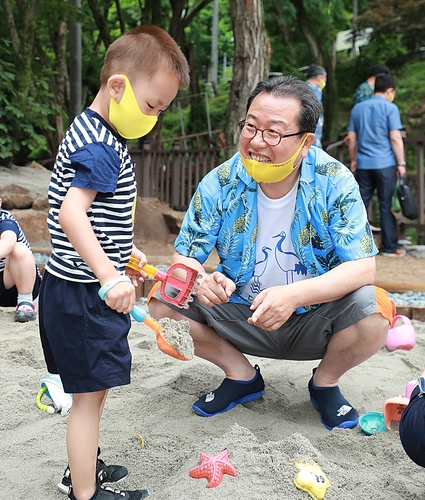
264, 438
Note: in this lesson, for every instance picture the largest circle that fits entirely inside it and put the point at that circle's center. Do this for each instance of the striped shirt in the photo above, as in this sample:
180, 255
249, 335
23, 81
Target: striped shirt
9, 223
93, 157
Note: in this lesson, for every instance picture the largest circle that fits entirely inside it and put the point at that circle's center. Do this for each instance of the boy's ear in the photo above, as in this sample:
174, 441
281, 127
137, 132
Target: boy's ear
116, 87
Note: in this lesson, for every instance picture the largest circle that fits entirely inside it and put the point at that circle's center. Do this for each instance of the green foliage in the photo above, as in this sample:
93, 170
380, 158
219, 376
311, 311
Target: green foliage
22, 127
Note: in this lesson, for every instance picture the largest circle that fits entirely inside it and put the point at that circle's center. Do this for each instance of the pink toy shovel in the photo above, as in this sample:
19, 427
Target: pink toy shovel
401, 337
184, 287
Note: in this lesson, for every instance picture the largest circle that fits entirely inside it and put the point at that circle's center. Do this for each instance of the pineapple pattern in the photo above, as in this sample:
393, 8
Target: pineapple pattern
329, 225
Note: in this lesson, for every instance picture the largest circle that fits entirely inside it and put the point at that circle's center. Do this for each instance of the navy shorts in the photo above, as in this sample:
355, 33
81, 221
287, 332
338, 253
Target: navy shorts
83, 339
9, 297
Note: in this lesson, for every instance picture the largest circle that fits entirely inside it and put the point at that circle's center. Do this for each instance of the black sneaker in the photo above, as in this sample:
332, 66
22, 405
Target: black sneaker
105, 493
229, 394
105, 473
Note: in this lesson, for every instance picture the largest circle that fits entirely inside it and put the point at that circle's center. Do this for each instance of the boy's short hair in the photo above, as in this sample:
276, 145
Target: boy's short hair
141, 52
379, 69
384, 82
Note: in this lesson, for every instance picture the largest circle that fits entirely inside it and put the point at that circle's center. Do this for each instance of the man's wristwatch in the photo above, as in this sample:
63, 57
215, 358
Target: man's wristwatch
401, 164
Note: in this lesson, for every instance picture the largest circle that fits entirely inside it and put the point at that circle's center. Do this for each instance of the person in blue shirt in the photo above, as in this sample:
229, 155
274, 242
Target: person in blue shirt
296, 259
376, 151
316, 79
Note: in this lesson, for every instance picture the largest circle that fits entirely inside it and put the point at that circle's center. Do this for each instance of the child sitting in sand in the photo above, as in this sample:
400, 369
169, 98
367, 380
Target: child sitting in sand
19, 276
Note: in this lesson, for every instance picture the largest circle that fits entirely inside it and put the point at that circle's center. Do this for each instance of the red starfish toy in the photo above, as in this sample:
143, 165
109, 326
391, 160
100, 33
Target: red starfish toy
213, 467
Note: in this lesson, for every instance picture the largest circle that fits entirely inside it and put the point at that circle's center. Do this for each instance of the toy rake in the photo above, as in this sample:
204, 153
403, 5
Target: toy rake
185, 287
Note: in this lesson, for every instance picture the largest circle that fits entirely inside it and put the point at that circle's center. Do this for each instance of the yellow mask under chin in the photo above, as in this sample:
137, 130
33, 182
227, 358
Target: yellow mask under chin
126, 116
272, 172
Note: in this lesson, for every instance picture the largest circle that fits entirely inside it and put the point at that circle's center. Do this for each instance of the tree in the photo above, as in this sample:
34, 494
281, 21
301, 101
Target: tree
251, 61
27, 106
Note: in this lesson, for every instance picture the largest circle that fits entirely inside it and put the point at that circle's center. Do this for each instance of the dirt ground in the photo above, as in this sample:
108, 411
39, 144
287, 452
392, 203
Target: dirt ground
400, 274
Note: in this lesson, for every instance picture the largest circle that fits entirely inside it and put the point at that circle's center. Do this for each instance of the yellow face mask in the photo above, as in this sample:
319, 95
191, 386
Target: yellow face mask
126, 116
272, 172
322, 84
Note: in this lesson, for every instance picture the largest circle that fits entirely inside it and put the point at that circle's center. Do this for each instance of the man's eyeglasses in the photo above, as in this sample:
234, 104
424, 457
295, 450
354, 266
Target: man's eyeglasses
270, 136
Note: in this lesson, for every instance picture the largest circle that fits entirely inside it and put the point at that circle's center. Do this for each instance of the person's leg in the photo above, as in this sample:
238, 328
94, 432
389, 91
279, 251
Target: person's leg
20, 269
350, 347
366, 182
82, 441
386, 181
351, 343
209, 345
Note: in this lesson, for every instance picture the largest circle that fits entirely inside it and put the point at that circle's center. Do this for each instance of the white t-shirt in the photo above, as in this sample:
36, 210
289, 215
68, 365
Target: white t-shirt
276, 262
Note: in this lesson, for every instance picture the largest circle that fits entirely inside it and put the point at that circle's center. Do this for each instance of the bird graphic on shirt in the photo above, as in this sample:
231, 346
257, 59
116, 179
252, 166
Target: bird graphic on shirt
279, 253
260, 268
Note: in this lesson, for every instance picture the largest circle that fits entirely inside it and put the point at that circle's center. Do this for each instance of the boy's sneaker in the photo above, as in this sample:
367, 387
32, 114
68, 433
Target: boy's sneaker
105, 474
105, 493
25, 311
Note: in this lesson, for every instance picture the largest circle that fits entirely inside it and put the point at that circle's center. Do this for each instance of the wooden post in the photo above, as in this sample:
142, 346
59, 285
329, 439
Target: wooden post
175, 185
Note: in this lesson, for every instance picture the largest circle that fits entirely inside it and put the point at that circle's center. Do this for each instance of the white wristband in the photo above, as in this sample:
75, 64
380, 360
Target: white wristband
107, 286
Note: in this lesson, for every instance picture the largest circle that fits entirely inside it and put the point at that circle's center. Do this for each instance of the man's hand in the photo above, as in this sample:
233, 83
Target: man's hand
272, 307
215, 289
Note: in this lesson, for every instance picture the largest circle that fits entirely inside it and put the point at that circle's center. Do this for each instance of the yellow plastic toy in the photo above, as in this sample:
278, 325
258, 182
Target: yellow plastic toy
312, 480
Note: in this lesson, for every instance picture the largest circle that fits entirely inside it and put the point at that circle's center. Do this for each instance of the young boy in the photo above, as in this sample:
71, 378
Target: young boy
19, 276
92, 194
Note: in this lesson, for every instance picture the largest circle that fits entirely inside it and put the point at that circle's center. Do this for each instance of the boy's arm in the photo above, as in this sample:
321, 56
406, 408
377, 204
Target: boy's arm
76, 225
8, 241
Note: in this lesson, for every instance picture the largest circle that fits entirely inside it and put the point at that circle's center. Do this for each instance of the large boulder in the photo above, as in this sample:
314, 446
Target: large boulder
33, 224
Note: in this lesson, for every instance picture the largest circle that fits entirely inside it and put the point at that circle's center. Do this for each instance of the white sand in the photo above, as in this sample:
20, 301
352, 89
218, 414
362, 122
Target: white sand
263, 437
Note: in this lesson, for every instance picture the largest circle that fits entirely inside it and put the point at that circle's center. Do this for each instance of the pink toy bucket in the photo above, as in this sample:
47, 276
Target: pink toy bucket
401, 337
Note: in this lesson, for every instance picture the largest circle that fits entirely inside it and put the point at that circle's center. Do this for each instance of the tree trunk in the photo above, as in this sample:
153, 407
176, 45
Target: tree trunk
101, 21
250, 65
320, 55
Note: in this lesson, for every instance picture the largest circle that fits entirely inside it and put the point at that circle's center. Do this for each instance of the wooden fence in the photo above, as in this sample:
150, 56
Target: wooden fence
415, 180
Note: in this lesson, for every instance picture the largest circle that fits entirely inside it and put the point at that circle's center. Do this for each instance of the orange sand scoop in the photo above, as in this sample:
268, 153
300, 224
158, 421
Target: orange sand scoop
180, 350
140, 315
185, 287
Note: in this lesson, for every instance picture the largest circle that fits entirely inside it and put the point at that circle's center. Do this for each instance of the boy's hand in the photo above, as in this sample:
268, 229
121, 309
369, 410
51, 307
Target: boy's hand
121, 297
137, 276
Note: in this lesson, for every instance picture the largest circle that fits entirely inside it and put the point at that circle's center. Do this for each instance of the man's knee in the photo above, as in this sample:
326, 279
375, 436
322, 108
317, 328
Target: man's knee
374, 328
158, 309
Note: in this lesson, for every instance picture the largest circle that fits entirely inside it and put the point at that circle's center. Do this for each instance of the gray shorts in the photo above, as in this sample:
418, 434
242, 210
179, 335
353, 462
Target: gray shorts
303, 337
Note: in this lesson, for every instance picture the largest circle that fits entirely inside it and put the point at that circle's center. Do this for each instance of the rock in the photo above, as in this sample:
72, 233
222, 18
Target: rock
18, 201
149, 222
33, 224
41, 203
